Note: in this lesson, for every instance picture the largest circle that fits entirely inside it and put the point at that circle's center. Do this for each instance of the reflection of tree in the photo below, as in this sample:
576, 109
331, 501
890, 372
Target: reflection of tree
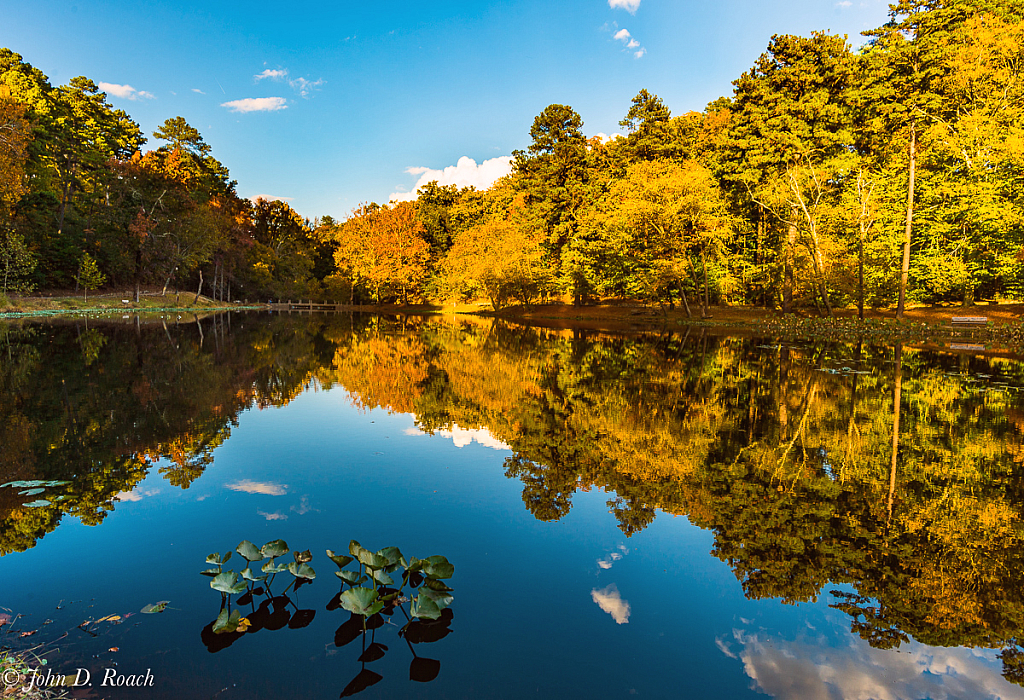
785, 453
98, 406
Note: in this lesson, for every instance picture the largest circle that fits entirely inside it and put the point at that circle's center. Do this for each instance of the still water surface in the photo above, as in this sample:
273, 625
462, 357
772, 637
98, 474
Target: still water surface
674, 516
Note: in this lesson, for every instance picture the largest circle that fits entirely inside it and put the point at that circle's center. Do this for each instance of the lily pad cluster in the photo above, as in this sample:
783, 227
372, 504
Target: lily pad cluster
424, 576
36, 488
245, 582
378, 586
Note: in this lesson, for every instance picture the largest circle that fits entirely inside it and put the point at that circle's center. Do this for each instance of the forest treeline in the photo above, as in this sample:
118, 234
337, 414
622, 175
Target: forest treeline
831, 177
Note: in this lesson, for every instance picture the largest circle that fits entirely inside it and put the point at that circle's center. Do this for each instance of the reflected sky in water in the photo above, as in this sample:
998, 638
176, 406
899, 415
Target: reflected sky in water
682, 516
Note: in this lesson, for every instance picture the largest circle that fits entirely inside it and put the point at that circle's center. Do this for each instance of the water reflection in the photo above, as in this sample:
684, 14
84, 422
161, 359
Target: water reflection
893, 471
813, 669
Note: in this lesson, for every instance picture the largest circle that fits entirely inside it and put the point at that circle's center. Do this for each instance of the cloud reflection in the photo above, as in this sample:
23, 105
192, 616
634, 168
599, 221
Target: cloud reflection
813, 670
465, 436
609, 600
267, 488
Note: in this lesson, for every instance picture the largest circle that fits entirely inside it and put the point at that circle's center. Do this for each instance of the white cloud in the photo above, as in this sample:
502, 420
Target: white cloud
609, 600
269, 198
126, 92
605, 138
629, 6
640, 53
633, 43
622, 35
257, 104
812, 669
304, 87
465, 173
844, 4
272, 74
198, 90
266, 488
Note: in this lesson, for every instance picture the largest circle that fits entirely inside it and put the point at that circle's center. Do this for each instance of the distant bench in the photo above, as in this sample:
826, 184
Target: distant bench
969, 321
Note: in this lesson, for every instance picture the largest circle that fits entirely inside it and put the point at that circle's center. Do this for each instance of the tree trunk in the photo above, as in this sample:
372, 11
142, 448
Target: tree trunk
707, 293
686, 304
198, 291
137, 285
787, 271
905, 268
163, 292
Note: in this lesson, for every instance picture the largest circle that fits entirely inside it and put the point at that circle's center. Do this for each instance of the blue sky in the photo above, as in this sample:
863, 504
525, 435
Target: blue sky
360, 99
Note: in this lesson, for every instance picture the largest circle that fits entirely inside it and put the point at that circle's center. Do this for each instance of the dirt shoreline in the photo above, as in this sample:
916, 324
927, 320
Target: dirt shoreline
919, 323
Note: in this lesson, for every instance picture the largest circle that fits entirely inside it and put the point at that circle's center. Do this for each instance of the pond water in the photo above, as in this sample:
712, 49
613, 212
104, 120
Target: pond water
667, 516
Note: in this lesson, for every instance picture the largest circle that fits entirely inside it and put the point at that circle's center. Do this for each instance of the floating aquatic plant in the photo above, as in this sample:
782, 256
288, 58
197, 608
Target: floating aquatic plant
370, 593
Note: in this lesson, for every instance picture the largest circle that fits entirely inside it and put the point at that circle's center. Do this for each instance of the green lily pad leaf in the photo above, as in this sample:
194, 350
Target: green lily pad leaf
352, 577
31, 492
210, 572
227, 623
271, 568
425, 608
441, 599
391, 555
227, 582
274, 549
156, 607
301, 571
37, 504
361, 601
354, 548
302, 557
248, 575
437, 586
248, 550
340, 559
413, 565
381, 577
215, 558
438, 570
23, 484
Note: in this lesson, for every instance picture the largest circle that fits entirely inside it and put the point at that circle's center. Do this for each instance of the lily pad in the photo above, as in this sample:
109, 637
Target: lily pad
248, 575
37, 504
156, 607
210, 572
227, 582
340, 559
353, 577
361, 601
301, 571
31, 492
439, 568
441, 599
391, 555
227, 623
302, 557
215, 558
271, 568
425, 608
248, 550
381, 577
274, 549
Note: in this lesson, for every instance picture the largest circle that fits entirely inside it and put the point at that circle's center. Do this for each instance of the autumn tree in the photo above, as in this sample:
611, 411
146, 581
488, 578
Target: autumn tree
382, 248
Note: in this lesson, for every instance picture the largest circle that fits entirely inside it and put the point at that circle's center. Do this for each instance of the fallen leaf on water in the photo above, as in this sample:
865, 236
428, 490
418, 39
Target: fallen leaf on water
155, 607
114, 649
28, 634
242, 625
109, 618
